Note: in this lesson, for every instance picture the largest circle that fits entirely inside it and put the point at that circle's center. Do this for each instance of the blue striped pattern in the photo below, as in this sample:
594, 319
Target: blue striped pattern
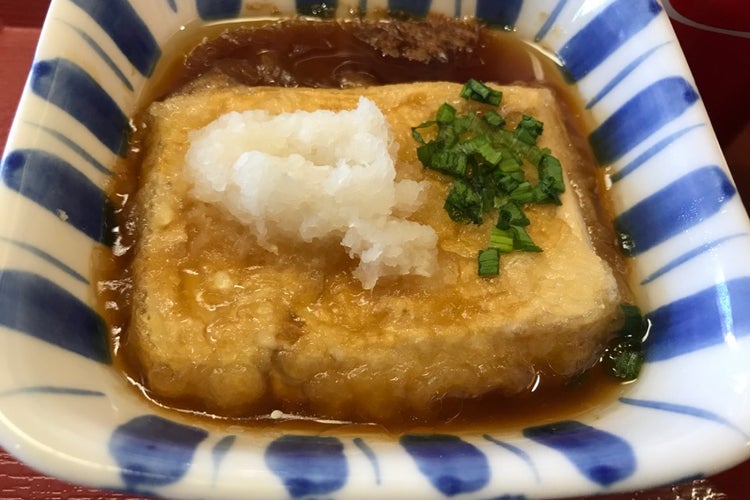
54, 180
418, 8
38, 307
74, 146
710, 317
308, 465
642, 115
220, 451
633, 165
104, 56
51, 390
601, 456
68, 86
501, 14
689, 255
49, 258
596, 41
691, 411
452, 465
218, 9
153, 451
125, 27
517, 452
371, 456
550, 21
677, 207
622, 74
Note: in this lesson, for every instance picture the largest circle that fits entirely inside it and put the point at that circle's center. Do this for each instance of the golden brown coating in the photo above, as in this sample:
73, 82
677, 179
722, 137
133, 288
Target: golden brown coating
237, 330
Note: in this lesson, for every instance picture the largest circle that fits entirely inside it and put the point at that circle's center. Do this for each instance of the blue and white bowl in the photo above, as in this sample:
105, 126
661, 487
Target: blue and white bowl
65, 410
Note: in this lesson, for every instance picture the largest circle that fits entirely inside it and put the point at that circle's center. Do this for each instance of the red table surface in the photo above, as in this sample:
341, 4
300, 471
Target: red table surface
19, 31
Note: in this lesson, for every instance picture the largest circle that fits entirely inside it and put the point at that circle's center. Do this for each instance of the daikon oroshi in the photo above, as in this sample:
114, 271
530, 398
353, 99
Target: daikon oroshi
310, 175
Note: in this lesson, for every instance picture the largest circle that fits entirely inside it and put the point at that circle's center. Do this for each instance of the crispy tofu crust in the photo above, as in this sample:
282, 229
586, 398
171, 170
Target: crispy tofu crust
235, 330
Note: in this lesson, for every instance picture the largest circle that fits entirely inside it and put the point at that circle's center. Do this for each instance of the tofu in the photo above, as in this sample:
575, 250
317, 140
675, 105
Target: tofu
222, 325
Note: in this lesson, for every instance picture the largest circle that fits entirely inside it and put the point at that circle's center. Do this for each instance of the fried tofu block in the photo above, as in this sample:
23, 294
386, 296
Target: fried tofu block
223, 325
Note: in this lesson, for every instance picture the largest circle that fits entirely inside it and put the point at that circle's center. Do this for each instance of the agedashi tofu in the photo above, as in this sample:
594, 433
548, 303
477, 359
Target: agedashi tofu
347, 293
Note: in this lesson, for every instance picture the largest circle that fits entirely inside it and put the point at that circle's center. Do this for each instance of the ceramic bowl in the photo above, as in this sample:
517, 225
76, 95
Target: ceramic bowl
65, 410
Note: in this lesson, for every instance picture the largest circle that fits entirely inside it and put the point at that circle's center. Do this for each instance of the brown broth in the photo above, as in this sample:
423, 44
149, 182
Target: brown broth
330, 54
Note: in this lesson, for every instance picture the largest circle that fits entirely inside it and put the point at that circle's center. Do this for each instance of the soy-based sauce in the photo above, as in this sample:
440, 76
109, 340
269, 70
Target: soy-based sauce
358, 53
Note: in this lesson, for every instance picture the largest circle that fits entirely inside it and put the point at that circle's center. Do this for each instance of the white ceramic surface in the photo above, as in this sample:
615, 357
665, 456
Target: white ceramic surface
67, 412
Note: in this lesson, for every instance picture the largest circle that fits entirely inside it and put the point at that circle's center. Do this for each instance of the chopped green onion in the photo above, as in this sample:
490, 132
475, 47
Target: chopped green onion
488, 261
509, 165
494, 118
445, 113
522, 240
502, 239
449, 162
489, 195
449, 136
624, 357
493, 156
426, 151
551, 183
486, 162
478, 91
523, 193
528, 130
633, 323
472, 145
433, 155
511, 214
463, 123
510, 182
463, 203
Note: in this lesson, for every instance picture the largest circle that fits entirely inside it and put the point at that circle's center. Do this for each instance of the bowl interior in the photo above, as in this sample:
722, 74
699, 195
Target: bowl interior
673, 197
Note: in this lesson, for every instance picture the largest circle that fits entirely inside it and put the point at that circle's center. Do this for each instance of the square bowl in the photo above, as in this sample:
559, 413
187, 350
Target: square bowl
65, 410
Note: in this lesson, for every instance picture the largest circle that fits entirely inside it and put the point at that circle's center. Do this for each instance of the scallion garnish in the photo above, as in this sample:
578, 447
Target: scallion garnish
488, 262
502, 239
463, 203
522, 240
478, 91
528, 130
446, 113
624, 356
511, 214
625, 359
486, 162
494, 118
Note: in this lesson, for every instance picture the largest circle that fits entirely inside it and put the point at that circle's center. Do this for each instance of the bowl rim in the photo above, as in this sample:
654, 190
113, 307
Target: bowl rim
603, 80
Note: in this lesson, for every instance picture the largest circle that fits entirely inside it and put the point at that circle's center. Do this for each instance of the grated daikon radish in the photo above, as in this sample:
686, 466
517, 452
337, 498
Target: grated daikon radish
311, 175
